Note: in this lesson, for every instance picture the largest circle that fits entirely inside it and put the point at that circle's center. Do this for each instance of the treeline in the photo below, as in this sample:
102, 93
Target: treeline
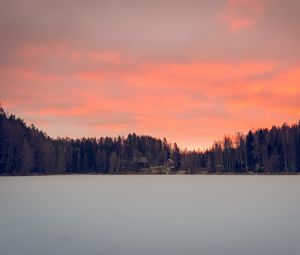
26, 150
270, 151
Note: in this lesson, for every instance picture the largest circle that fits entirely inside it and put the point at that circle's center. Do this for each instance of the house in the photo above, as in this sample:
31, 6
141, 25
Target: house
170, 164
143, 162
139, 162
158, 170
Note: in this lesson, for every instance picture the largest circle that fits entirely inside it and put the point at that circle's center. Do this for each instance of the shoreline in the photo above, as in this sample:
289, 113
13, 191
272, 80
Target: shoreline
144, 174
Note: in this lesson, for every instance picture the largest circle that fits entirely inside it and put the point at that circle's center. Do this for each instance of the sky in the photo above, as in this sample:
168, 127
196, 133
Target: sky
190, 71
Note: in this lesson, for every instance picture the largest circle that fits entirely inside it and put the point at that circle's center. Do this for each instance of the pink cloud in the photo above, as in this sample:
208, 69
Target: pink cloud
243, 14
193, 102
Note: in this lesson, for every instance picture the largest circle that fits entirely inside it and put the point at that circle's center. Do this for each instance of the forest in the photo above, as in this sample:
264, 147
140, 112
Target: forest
26, 150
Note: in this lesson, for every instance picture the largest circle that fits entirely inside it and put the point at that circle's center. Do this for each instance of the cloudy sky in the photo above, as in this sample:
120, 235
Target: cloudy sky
187, 70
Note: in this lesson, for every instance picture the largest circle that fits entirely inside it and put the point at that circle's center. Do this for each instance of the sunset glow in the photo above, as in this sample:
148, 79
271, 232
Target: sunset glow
190, 71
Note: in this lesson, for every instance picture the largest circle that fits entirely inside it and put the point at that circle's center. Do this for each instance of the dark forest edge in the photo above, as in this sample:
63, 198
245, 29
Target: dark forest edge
25, 150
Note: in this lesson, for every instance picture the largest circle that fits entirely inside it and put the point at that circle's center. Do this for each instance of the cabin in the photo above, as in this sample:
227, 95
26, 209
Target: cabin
139, 162
143, 162
158, 170
170, 164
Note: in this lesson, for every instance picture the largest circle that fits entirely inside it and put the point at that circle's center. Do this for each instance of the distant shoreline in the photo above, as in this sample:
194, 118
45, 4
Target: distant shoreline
139, 174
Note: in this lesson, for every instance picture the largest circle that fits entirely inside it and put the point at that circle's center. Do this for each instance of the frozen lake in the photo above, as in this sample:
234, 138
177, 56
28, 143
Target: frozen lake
143, 215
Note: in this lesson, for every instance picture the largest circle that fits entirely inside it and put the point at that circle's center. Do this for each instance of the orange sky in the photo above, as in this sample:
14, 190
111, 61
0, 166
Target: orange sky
184, 70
